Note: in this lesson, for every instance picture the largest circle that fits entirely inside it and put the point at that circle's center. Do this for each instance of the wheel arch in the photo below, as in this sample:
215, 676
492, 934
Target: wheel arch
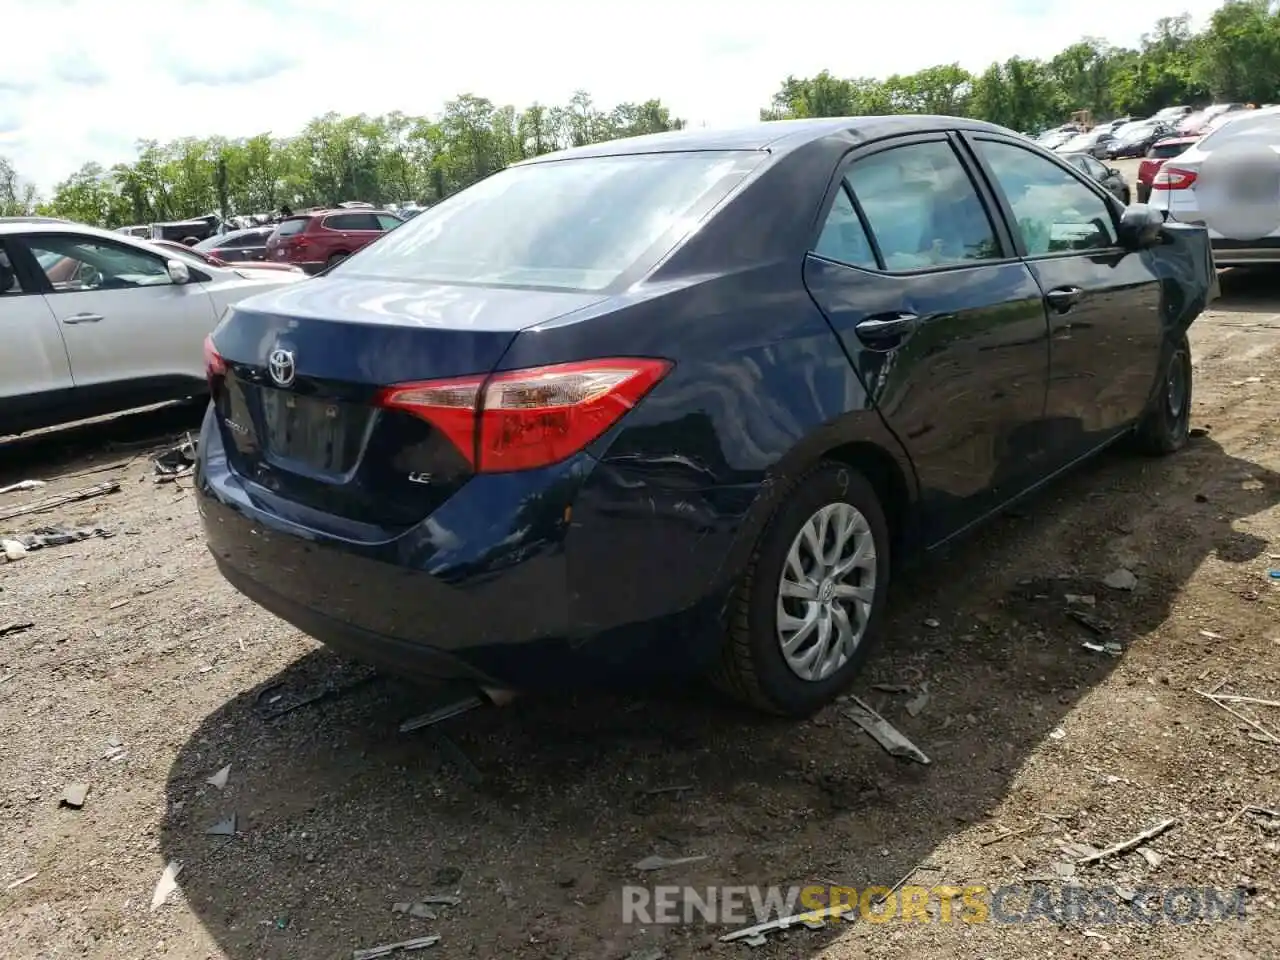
859, 440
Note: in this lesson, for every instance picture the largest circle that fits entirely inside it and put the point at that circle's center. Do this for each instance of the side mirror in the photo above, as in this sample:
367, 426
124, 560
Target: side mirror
1113, 171
178, 272
1140, 226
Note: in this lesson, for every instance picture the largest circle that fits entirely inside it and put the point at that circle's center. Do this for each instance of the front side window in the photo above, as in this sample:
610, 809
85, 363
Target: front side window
922, 207
571, 224
1055, 212
843, 239
73, 264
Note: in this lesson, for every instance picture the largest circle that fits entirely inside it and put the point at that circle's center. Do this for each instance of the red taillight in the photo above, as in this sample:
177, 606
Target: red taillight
524, 419
1173, 178
214, 366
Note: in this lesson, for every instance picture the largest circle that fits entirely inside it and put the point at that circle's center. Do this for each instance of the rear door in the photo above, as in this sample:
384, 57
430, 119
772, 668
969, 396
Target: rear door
120, 315
354, 230
33, 358
944, 324
1103, 301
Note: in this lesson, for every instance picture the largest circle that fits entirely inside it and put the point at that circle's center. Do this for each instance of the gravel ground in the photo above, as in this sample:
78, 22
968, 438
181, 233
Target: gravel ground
143, 675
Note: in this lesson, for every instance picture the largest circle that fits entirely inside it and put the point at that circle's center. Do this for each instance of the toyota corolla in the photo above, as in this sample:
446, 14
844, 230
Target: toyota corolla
680, 403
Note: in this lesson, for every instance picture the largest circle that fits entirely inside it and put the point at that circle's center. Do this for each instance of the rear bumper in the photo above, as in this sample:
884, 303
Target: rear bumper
571, 576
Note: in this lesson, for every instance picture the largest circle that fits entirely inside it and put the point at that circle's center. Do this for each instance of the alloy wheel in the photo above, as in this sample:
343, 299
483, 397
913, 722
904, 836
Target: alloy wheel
826, 591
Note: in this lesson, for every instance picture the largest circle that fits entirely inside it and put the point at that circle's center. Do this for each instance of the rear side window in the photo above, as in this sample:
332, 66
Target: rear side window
922, 207
843, 239
576, 224
387, 222
351, 221
1055, 212
288, 228
8, 278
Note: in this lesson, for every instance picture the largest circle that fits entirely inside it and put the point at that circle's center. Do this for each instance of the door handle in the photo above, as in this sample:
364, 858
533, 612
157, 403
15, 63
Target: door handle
82, 318
886, 326
1063, 299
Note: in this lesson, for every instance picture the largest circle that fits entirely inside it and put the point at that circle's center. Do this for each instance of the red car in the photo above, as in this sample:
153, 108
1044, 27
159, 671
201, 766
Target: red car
322, 238
210, 259
1160, 151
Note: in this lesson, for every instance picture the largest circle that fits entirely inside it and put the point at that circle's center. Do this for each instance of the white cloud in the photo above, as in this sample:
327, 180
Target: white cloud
89, 78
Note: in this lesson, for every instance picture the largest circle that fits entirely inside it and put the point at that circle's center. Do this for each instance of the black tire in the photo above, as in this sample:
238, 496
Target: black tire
752, 667
1165, 426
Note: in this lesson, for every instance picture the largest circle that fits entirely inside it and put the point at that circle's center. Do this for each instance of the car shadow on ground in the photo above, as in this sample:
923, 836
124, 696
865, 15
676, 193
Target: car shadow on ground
1250, 290
42, 454
537, 825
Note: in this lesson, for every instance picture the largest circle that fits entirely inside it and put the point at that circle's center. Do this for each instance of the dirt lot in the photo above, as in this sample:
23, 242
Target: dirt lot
144, 674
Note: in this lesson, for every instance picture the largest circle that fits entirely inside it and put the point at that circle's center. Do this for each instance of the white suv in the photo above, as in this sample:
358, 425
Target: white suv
94, 322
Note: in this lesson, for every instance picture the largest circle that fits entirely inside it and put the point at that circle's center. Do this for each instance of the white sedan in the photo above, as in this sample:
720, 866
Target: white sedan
94, 322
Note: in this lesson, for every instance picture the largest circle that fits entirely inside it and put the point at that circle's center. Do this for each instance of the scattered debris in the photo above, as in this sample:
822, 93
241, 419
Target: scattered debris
219, 779
445, 712
1090, 622
223, 828
657, 863
13, 550
647, 953
884, 733
1225, 697
891, 687
1078, 850
167, 883
1210, 635
1007, 834
75, 795
52, 503
441, 900
1121, 579
916, 705
1057, 733
508, 894
22, 485
1153, 859
417, 908
43, 537
324, 693
15, 626
1263, 812
1082, 599
117, 604
175, 461
1110, 647
420, 943
1132, 843
682, 788
754, 936
1213, 698
932, 623
14, 884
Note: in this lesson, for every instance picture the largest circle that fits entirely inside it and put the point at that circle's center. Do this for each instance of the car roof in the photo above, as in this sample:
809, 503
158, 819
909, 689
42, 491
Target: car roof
8, 229
774, 136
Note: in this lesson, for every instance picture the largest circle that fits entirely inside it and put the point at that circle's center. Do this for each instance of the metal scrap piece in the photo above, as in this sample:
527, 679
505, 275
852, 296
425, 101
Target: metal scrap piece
884, 733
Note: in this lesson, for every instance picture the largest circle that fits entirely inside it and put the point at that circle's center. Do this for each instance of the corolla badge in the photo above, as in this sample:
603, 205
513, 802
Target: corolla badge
281, 366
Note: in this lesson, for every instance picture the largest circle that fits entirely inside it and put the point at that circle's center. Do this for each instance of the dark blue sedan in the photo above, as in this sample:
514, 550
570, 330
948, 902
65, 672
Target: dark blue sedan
681, 403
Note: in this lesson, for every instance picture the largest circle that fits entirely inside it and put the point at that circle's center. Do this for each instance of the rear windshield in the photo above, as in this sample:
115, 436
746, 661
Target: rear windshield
1163, 151
288, 228
573, 224
1264, 130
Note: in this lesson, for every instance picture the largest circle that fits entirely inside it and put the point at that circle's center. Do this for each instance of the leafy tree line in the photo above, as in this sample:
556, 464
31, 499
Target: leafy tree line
397, 158
1235, 58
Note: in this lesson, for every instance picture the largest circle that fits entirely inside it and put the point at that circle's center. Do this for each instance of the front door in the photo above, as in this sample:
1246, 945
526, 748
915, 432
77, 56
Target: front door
121, 316
1103, 301
946, 328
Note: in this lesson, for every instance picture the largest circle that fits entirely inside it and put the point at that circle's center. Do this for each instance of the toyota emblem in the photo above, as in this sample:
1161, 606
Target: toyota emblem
281, 366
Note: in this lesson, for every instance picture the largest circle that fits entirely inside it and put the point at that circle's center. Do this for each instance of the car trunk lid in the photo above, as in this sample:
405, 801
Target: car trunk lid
297, 401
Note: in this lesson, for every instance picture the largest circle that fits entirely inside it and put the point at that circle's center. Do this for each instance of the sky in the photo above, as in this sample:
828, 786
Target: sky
83, 80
